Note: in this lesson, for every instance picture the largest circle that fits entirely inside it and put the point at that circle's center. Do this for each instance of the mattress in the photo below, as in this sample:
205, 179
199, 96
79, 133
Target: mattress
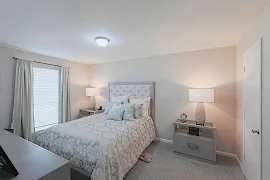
105, 149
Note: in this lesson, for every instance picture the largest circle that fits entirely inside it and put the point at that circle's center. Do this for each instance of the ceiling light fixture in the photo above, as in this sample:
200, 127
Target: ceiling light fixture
102, 41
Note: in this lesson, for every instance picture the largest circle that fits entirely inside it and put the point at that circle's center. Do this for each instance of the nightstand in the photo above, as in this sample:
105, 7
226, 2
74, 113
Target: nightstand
88, 112
202, 147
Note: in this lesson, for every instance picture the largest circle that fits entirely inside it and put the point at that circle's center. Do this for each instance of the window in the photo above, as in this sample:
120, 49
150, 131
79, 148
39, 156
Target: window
46, 97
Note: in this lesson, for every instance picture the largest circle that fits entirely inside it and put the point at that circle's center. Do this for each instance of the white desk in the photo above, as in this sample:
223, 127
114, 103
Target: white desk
31, 161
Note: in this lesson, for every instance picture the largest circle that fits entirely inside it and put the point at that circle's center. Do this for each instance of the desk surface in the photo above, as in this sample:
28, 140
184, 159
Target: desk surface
30, 160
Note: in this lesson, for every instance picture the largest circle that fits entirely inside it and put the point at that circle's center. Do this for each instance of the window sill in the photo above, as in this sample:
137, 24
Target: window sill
44, 127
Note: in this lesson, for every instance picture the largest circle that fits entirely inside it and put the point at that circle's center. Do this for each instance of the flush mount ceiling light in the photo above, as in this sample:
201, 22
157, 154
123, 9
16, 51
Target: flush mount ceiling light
102, 41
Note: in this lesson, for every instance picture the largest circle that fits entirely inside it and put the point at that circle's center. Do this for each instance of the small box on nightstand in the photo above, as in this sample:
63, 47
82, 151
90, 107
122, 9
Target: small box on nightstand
194, 131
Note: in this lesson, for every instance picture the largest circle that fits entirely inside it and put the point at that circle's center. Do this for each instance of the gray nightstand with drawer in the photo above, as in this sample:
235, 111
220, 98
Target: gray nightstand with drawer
88, 112
202, 147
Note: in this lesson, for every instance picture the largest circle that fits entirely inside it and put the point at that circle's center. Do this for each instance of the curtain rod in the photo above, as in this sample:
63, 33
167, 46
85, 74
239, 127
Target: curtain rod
38, 62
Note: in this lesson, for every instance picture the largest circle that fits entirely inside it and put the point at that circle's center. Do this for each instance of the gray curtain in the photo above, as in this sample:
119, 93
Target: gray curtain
65, 112
23, 114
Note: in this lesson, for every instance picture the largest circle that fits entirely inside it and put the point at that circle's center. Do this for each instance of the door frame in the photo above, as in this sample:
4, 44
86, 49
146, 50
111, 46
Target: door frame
258, 43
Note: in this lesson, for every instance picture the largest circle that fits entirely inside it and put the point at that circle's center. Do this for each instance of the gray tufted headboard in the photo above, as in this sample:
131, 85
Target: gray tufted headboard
137, 89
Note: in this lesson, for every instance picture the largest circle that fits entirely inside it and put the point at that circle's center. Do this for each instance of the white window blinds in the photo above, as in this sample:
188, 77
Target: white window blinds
46, 98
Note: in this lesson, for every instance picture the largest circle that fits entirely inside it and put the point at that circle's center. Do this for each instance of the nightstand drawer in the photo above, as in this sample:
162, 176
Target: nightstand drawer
193, 149
203, 147
202, 142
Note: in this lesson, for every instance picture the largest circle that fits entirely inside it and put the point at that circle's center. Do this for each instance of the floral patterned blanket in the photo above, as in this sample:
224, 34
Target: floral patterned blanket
105, 149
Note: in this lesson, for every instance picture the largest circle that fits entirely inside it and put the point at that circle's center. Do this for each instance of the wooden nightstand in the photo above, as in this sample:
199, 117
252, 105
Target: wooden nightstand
203, 147
88, 112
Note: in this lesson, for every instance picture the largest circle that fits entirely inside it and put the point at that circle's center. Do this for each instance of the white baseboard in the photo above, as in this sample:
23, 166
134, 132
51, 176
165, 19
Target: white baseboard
232, 156
164, 140
226, 154
240, 164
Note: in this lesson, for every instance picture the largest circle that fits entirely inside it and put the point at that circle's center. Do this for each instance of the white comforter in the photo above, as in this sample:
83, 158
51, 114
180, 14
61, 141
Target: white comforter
105, 149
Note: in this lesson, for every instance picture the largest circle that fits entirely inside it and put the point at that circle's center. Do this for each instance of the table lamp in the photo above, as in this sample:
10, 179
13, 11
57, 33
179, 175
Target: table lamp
201, 96
92, 92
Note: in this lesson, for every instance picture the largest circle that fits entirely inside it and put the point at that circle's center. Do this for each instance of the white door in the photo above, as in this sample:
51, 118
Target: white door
252, 112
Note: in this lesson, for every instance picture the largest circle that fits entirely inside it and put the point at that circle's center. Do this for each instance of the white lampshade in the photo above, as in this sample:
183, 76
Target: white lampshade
92, 92
201, 95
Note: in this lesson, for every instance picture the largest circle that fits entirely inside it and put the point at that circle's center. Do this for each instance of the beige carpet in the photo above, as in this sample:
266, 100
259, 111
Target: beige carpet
169, 166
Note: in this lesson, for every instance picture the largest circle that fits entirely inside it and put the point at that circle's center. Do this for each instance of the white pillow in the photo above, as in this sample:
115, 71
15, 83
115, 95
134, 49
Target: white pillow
145, 110
120, 99
117, 106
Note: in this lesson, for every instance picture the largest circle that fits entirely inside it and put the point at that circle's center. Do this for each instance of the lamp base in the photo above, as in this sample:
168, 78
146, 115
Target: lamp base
92, 103
199, 124
200, 114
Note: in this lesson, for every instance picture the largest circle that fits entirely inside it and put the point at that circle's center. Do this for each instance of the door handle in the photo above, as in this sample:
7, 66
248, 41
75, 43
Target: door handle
193, 146
255, 131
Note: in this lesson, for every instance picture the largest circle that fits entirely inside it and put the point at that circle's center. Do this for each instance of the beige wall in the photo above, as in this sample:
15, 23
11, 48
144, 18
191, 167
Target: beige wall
260, 29
174, 75
78, 76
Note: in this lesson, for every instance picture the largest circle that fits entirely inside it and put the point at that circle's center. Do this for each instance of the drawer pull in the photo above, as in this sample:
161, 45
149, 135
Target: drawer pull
193, 146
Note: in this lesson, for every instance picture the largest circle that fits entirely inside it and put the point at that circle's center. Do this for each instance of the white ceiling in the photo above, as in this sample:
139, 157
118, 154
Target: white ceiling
136, 28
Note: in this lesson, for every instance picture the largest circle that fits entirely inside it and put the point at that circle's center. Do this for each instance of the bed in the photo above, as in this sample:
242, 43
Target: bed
103, 149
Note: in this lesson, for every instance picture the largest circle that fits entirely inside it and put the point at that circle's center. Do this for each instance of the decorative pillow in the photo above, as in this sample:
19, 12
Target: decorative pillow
137, 111
145, 105
117, 106
116, 114
129, 110
108, 107
121, 99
